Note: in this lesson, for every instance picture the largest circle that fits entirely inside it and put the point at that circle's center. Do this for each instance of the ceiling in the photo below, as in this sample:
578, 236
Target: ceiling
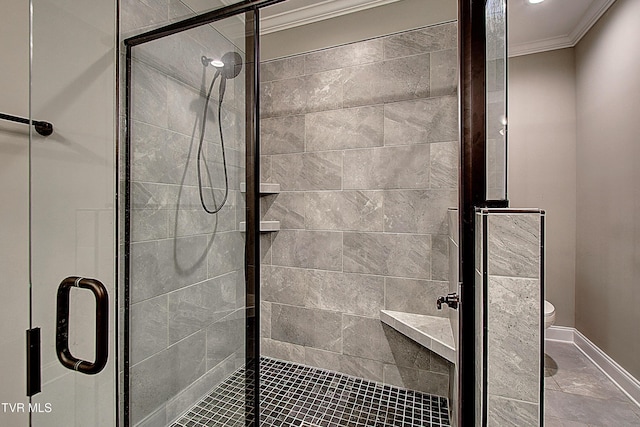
553, 24
532, 28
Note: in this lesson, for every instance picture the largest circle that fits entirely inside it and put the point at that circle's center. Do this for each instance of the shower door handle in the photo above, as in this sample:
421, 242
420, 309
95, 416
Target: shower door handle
102, 325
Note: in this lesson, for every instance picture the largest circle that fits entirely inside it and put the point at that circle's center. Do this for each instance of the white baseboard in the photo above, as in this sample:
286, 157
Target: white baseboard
559, 333
616, 373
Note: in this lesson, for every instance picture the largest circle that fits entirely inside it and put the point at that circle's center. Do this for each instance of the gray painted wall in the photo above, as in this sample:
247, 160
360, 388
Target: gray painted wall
364, 146
608, 177
542, 161
14, 209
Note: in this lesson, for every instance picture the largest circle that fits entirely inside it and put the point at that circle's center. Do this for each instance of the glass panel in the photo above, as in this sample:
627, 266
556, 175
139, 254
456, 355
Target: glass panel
187, 280
72, 200
496, 17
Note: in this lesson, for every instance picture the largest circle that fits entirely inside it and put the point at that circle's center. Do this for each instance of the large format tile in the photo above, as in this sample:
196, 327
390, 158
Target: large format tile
148, 328
364, 337
280, 69
226, 253
514, 245
149, 95
444, 72
283, 97
417, 379
350, 365
513, 349
388, 254
418, 211
225, 337
345, 292
429, 39
284, 285
507, 412
307, 171
589, 410
196, 307
414, 296
444, 165
389, 81
280, 135
288, 207
308, 249
344, 210
387, 168
344, 56
307, 327
345, 128
282, 350
324, 91
421, 120
162, 376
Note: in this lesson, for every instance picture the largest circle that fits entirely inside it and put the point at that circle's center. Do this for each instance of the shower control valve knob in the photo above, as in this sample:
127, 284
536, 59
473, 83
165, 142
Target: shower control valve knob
451, 300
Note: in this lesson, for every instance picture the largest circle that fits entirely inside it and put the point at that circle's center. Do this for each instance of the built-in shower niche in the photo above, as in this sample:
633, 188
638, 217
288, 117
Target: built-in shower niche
363, 141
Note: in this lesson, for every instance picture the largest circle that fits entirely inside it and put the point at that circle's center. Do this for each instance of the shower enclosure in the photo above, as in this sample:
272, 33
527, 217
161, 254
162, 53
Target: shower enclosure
184, 311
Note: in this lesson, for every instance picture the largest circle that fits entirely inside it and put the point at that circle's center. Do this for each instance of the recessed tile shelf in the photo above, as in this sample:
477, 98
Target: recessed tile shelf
265, 226
430, 331
265, 188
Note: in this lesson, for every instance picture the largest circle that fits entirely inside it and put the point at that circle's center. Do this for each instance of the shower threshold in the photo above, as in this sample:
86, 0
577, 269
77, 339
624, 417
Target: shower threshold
299, 395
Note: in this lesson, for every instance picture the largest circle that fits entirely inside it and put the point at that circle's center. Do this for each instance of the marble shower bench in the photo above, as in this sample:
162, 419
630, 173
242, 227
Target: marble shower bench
432, 332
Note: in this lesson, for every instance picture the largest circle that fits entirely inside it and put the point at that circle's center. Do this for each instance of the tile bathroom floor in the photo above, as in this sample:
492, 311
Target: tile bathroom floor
299, 395
578, 394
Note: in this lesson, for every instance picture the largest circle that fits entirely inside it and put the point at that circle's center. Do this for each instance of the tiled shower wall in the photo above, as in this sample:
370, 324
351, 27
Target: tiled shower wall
187, 267
362, 139
510, 262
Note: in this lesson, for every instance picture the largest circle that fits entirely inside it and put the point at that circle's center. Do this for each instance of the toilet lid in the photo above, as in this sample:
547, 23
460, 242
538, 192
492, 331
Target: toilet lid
549, 309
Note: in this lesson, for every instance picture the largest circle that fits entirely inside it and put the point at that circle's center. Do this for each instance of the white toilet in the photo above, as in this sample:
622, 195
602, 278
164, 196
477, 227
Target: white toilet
549, 314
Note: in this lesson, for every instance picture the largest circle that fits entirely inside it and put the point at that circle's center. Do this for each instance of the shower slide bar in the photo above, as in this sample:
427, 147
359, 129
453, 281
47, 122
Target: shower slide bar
43, 128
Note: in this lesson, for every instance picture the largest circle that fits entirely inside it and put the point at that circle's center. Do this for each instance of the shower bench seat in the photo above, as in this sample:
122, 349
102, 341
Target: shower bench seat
432, 332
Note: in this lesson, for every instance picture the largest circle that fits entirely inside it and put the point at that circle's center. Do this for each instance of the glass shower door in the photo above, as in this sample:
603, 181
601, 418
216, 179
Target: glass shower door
72, 214
186, 177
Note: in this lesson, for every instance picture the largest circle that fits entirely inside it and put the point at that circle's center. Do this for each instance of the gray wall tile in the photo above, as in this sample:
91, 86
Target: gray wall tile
344, 210
195, 307
414, 296
282, 350
418, 211
324, 90
444, 165
225, 337
165, 374
344, 56
344, 128
387, 168
350, 365
501, 412
344, 292
149, 329
283, 97
142, 14
226, 253
514, 246
364, 337
307, 171
421, 120
308, 249
440, 257
286, 207
444, 72
417, 379
281, 135
284, 285
149, 95
297, 325
265, 320
280, 69
388, 254
513, 348
430, 39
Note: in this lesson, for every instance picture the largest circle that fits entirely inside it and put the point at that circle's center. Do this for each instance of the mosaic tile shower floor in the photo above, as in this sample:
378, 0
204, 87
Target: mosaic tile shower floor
299, 395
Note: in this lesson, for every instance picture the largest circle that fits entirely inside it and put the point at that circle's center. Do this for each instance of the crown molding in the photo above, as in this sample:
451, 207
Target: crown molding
591, 16
317, 12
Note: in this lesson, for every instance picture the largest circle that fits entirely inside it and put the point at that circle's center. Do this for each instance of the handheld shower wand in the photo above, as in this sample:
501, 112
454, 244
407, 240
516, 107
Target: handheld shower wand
228, 67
